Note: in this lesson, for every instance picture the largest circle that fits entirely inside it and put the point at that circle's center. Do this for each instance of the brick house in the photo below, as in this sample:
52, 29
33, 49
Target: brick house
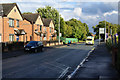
49, 28
15, 26
10, 18
33, 26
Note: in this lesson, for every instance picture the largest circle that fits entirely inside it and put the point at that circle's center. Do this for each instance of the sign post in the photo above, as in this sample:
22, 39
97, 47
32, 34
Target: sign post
101, 31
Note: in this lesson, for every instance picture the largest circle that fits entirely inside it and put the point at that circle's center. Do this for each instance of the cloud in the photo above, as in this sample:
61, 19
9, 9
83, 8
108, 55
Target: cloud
110, 13
78, 11
90, 0
87, 11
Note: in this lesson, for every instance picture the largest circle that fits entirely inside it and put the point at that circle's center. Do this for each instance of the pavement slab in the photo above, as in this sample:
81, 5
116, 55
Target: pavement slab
99, 66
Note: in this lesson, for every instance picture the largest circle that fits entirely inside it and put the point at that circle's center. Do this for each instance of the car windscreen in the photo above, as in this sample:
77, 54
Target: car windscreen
32, 43
89, 39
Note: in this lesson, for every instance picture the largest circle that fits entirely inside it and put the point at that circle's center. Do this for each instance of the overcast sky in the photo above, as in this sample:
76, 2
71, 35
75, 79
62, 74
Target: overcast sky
87, 11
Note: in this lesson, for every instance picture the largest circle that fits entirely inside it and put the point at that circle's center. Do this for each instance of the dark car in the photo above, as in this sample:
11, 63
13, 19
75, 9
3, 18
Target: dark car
34, 46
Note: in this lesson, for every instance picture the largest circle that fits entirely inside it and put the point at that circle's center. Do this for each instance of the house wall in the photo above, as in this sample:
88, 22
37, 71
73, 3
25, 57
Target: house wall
52, 30
6, 30
37, 26
27, 26
36, 37
10, 30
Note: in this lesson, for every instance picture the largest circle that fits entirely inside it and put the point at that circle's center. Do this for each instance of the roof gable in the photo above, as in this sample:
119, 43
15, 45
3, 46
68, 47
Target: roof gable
46, 22
39, 21
14, 13
31, 17
51, 24
7, 7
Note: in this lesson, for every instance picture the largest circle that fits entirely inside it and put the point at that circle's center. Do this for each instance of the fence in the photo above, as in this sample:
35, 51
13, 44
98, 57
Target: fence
7, 46
113, 45
66, 40
12, 46
52, 43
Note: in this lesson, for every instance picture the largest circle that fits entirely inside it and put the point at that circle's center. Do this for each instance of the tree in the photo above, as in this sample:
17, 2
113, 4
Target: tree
86, 28
27, 13
79, 29
62, 26
49, 12
109, 26
67, 30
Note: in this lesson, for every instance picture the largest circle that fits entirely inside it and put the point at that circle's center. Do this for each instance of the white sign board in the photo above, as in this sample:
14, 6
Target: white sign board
60, 34
101, 30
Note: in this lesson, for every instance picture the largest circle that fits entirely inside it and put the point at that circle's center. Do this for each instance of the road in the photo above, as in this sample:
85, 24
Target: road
48, 64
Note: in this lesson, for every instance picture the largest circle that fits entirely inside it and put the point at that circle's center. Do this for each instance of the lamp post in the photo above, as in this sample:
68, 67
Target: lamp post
59, 25
105, 28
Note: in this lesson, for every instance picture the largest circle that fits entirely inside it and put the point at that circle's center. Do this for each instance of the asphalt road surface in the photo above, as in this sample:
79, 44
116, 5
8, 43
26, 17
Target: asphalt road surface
48, 64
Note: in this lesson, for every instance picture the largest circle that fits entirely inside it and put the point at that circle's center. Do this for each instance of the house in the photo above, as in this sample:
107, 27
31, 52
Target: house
15, 26
10, 19
49, 28
33, 25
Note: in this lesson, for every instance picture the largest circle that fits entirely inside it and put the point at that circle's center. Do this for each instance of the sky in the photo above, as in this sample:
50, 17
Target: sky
87, 11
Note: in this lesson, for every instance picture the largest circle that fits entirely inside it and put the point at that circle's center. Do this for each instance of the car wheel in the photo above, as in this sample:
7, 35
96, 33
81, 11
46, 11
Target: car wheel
36, 50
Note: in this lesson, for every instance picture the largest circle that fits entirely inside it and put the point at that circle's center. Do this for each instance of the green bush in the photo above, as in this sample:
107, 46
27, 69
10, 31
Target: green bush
109, 44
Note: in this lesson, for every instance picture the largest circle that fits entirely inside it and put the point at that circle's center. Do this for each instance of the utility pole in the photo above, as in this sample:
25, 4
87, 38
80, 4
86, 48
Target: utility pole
99, 36
105, 29
59, 25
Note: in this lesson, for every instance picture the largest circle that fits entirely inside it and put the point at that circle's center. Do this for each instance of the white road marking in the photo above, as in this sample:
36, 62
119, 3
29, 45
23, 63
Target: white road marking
63, 73
71, 75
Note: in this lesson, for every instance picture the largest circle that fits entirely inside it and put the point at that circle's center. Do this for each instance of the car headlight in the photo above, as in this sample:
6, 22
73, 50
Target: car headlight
33, 47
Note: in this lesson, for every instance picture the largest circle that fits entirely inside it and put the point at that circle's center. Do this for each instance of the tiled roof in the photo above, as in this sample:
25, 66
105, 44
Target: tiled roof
5, 8
31, 17
46, 21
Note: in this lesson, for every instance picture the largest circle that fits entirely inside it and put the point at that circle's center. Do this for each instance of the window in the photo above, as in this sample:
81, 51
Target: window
50, 29
11, 22
17, 23
40, 38
50, 37
0, 38
11, 37
45, 28
40, 28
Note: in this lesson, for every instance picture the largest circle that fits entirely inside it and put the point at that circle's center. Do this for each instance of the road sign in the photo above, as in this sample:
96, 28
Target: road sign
60, 34
101, 30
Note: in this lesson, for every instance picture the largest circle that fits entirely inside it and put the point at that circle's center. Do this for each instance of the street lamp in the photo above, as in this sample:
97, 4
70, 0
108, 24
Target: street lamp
59, 24
105, 28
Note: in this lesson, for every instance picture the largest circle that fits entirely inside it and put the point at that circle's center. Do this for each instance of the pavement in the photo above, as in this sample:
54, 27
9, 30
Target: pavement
53, 63
98, 66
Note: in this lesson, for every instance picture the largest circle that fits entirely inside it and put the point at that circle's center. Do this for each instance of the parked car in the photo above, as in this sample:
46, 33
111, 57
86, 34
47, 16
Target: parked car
34, 46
